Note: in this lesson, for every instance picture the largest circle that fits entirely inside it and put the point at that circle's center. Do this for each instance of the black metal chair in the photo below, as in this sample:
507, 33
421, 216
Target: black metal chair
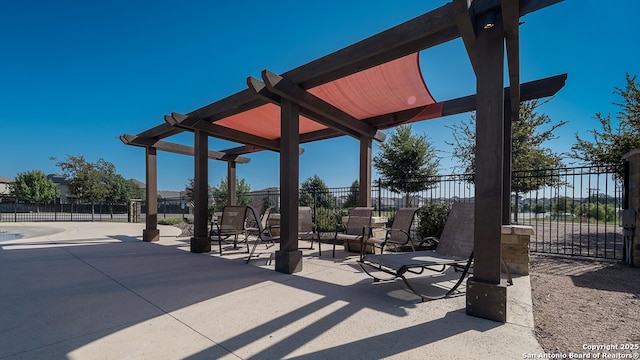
263, 233
231, 223
455, 249
397, 236
307, 230
356, 228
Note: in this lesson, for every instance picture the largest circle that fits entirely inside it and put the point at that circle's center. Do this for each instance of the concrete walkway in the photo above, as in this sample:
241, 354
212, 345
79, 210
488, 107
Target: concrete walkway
96, 291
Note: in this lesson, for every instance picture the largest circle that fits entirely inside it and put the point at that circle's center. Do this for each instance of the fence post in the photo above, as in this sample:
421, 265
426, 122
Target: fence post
633, 198
379, 198
315, 218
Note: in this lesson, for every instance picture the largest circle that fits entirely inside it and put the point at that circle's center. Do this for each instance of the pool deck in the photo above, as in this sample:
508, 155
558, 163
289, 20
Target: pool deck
96, 291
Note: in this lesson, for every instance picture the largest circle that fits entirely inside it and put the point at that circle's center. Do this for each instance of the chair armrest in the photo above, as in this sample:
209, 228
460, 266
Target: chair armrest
428, 238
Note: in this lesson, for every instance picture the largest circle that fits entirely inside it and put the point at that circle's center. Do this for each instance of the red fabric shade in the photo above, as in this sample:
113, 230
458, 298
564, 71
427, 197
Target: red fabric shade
394, 86
264, 121
387, 88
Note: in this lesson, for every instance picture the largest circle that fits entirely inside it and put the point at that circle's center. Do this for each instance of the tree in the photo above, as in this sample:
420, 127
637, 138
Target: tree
352, 198
88, 181
96, 182
122, 190
315, 193
220, 193
527, 149
34, 186
609, 145
406, 162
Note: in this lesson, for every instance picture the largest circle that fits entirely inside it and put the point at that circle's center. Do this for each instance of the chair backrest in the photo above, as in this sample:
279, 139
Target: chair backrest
233, 218
401, 227
265, 217
252, 215
305, 219
457, 236
359, 218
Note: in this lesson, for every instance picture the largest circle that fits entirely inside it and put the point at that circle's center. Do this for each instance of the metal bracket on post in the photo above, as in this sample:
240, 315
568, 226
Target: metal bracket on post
628, 229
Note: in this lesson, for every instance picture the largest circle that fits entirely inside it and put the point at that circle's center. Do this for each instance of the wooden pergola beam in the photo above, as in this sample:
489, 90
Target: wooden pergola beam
430, 29
181, 149
530, 90
222, 132
159, 132
260, 89
331, 116
233, 104
511, 24
466, 22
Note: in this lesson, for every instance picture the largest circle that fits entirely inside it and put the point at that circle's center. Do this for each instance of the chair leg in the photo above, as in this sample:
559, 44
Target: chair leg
319, 245
253, 249
333, 255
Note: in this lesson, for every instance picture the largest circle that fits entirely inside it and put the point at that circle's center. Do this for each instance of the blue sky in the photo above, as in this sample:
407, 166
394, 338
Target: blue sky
77, 74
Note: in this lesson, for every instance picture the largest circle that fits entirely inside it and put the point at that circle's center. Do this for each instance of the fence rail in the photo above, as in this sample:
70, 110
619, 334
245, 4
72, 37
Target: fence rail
574, 211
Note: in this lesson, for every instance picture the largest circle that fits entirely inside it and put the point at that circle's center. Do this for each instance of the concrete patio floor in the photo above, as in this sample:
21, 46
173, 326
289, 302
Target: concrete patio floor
96, 291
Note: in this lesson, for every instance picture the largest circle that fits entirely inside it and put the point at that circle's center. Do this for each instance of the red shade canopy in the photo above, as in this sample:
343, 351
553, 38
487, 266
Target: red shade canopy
393, 86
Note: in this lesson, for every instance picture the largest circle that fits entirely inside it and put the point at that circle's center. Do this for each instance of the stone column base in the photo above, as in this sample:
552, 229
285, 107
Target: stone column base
201, 244
289, 262
487, 301
515, 247
151, 235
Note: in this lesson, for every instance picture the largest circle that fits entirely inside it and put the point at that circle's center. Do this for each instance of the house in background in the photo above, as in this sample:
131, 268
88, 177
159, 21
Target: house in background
5, 185
62, 184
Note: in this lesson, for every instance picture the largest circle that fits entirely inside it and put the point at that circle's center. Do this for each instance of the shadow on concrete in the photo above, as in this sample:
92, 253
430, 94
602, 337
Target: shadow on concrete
64, 297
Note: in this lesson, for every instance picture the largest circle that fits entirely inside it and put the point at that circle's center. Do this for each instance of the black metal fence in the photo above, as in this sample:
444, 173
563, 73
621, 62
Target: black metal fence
574, 211
17, 210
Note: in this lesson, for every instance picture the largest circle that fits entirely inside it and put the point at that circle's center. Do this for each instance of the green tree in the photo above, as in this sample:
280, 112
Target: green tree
220, 193
122, 190
406, 162
315, 193
598, 212
88, 181
352, 198
562, 206
613, 140
94, 182
527, 148
34, 186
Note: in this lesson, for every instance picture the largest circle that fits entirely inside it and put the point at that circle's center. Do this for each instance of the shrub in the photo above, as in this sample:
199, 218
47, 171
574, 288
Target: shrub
170, 221
432, 218
327, 219
599, 212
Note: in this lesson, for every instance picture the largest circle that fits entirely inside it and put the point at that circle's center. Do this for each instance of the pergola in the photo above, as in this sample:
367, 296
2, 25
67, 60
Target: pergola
357, 91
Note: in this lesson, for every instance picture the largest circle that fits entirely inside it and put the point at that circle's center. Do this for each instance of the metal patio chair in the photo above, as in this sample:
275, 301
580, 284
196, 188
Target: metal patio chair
397, 236
455, 249
307, 230
263, 233
358, 226
231, 223
252, 226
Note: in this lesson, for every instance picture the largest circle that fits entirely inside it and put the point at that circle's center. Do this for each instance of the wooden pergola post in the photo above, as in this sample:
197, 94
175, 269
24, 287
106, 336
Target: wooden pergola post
486, 295
506, 166
151, 233
200, 242
231, 183
289, 258
364, 196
